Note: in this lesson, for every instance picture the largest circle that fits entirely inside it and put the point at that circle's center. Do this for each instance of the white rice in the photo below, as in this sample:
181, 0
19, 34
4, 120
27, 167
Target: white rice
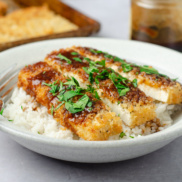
25, 112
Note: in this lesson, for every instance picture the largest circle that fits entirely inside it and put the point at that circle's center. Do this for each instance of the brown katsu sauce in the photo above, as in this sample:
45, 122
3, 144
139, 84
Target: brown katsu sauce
47, 74
109, 90
80, 117
150, 79
133, 96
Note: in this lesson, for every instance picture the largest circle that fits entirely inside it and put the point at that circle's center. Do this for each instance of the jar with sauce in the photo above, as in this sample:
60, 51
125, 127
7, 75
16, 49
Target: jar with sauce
158, 22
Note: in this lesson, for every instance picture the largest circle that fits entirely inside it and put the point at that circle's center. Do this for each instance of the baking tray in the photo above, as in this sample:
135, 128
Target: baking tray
86, 25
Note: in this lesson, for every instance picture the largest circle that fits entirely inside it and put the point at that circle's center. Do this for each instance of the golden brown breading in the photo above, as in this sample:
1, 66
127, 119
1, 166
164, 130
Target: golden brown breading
3, 8
134, 108
32, 22
158, 87
95, 124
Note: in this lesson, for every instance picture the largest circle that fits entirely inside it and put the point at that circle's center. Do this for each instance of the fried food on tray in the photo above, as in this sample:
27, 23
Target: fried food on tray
3, 8
32, 22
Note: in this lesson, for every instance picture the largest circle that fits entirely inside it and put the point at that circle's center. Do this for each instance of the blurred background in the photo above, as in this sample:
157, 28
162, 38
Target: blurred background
153, 21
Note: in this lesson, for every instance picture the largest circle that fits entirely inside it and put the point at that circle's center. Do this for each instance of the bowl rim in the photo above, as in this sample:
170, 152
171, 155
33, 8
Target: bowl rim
172, 132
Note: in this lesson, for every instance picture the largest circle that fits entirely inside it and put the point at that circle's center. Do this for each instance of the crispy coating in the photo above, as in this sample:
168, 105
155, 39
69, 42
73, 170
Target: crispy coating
3, 8
170, 88
96, 124
137, 105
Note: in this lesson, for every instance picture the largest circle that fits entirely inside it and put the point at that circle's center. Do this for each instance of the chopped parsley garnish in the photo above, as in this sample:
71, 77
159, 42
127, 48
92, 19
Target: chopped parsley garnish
126, 67
87, 59
52, 110
120, 83
131, 136
64, 58
22, 108
119, 60
106, 55
93, 91
135, 82
77, 106
69, 94
44, 72
96, 51
122, 134
10, 120
74, 53
72, 82
54, 87
65, 92
174, 79
77, 59
149, 70
1, 112
59, 106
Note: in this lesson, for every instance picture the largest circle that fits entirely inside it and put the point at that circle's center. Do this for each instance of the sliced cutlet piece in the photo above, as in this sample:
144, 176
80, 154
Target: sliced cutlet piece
94, 121
156, 85
131, 104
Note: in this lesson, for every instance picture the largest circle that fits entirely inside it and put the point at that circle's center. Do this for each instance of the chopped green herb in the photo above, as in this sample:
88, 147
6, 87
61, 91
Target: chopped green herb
44, 72
119, 60
77, 59
21, 107
78, 106
52, 110
70, 94
135, 82
90, 109
137, 73
95, 51
59, 106
74, 53
87, 59
131, 136
119, 102
108, 56
38, 132
120, 83
1, 112
126, 67
10, 120
54, 87
123, 91
102, 63
72, 82
174, 79
89, 104
118, 115
122, 134
64, 58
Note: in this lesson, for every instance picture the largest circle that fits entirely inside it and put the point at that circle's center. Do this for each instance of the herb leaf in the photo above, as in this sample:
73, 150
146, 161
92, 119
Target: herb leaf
122, 134
135, 84
77, 59
59, 106
78, 106
1, 112
52, 110
64, 58
74, 53
70, 94
72, 82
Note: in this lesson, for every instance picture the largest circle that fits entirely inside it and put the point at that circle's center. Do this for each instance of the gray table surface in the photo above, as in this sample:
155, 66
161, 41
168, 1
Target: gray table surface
18, 164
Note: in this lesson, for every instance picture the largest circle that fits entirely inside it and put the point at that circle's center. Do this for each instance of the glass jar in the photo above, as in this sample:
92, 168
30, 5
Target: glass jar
158, 22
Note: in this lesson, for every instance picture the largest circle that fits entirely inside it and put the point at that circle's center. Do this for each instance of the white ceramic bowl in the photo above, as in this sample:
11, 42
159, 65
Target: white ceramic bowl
170, 62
